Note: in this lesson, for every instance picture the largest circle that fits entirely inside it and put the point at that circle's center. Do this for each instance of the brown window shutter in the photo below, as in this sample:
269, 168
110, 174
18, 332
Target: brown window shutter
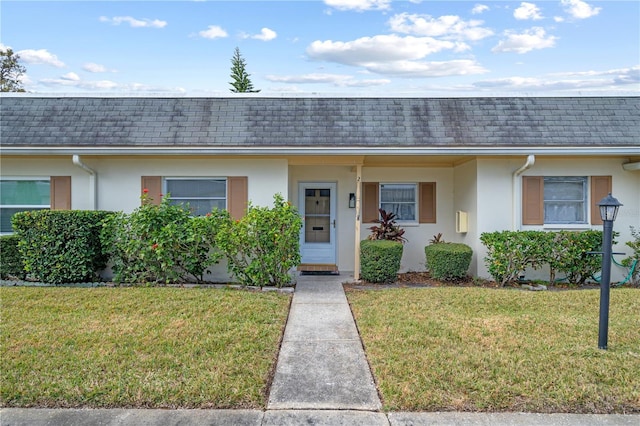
153, 184
370, 202
238, 195
532, 200
600, 188
60, 188
427, 202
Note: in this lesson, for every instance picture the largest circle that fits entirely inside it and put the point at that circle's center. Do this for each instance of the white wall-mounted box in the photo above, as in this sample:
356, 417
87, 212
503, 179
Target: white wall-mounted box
462, 222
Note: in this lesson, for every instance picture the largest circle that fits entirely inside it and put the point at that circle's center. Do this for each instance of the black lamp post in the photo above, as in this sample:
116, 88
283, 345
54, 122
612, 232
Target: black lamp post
608, 211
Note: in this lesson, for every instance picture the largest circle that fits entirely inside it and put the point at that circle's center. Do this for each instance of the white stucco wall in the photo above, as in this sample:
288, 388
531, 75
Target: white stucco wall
496, 195
40, 167
119, 179
465, 192
418, 235
483, 187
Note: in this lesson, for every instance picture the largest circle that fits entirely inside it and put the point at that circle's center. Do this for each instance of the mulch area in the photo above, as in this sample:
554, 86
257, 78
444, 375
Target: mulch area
424, 280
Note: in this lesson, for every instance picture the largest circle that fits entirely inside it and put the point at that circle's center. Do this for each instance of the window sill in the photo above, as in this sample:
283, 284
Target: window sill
567, 226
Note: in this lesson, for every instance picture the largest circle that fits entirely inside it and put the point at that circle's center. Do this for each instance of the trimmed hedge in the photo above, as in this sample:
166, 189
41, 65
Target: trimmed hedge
567, 252
10, 259
380, 260
61, 246
448, 261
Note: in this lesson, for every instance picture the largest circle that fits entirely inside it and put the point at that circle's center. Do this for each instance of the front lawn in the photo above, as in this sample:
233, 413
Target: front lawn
479, 349
138, 347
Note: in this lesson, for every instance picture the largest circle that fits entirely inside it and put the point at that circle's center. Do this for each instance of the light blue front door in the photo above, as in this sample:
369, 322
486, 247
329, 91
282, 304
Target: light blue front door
318, 209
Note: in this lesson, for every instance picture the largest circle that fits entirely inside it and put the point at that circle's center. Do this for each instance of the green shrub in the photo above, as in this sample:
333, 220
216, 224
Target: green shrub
387, 228
380, 260
633, 261
511, 252
264, 245
61, 246
162, 243
448, 261
11, 264
568, 252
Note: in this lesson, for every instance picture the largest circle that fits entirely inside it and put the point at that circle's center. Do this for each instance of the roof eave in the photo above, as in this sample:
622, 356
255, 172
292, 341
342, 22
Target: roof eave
283, 150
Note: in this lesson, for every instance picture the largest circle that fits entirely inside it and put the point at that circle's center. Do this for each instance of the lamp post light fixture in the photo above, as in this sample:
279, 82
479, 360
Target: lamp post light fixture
608, 211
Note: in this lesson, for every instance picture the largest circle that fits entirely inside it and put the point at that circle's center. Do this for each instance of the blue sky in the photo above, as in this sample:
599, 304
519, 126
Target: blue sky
330, 47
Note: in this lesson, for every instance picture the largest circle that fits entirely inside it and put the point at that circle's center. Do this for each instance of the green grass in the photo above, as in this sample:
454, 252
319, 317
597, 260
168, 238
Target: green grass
138, 347
501, 350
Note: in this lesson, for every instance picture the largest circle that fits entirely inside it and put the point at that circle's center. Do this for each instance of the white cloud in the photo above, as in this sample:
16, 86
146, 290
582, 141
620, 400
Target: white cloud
395, 55
380, 48
620, 75
68, 82
133, 22
40, 56
72, 81
579, 9
71, 76
423, 69
449, 26
212, 32
527, 11
266, 34
95, 68
616, 80
359, 5
338, 80
479, 8
532, 39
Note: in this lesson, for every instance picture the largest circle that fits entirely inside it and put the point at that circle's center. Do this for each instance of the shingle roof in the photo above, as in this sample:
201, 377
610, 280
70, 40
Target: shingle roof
312, 122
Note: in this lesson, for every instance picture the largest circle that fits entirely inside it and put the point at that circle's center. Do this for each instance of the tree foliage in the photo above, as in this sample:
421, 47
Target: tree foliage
10, 71
241, 82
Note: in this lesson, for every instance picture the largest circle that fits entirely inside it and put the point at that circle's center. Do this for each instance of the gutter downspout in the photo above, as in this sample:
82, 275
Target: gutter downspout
93, 181
531, 160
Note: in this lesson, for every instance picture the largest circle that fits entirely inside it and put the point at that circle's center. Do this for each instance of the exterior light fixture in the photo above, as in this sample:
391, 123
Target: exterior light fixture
609, 208
352, 200
608, 211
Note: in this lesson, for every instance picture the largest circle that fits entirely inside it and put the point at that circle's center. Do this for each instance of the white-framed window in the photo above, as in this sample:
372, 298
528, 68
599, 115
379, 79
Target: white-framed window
401, 199
201, 194
565, 200
22, 194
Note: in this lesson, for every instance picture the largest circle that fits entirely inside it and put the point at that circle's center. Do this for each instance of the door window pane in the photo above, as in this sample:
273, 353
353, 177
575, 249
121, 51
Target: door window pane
317, 215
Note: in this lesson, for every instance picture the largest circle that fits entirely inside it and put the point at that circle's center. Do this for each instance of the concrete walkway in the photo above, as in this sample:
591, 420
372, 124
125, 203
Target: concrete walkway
322, 363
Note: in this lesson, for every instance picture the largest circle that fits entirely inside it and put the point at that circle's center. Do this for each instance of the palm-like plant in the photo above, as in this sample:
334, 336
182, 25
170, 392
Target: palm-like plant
387, 228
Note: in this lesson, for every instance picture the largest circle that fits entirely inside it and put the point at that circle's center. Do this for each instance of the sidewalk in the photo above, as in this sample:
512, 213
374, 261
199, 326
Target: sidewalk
322, 378
322, 363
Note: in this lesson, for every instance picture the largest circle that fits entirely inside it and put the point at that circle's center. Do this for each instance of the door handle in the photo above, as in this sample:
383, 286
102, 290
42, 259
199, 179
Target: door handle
334, 223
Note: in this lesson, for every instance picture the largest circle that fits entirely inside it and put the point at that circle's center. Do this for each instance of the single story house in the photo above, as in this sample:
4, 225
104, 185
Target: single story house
456, 166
